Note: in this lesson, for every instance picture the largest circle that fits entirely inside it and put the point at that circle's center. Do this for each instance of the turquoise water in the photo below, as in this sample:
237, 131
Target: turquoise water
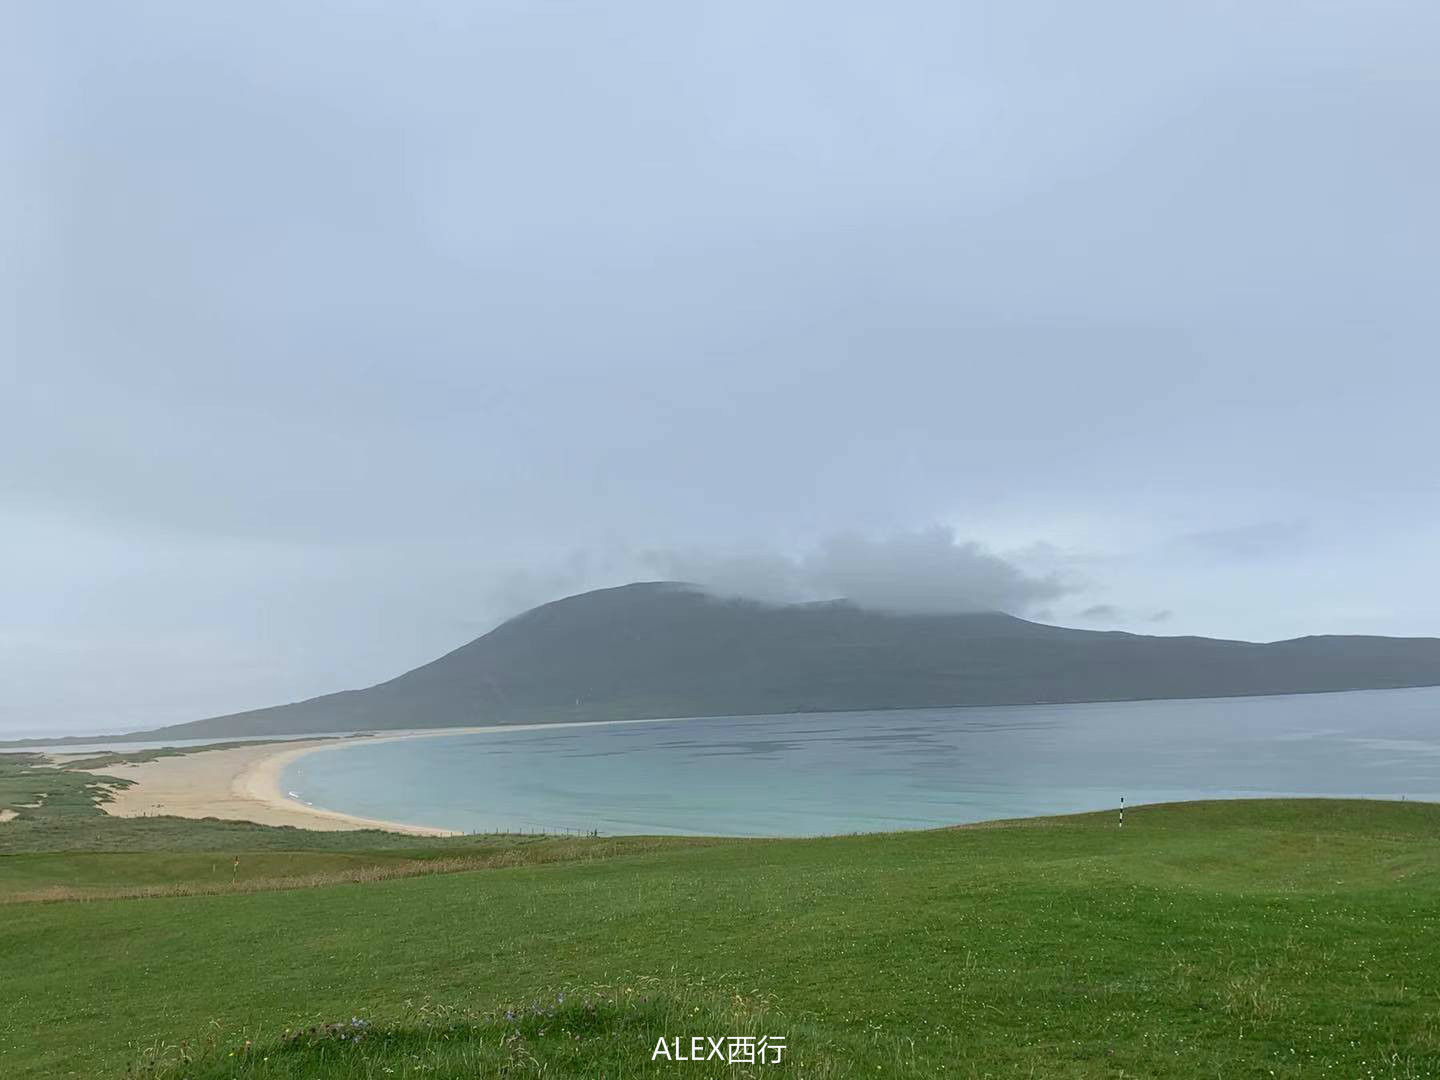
825, 773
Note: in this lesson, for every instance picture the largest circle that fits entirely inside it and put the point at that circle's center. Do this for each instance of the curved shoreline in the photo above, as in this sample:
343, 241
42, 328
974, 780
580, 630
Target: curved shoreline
238, 783
260, 782
243, 783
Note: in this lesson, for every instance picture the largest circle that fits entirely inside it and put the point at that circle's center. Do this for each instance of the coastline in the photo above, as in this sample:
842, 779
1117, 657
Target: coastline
243, 783
234, 784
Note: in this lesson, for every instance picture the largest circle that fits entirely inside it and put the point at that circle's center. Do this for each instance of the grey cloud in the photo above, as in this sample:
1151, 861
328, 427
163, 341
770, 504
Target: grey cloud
331, 332
1257, 541
1112, 613
928, 570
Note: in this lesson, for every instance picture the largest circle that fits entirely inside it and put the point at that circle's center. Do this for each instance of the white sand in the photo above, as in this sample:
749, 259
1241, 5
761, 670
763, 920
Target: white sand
242, 783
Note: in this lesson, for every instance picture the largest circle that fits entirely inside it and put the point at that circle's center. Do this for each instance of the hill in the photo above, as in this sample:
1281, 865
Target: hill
1285, 938
660, 649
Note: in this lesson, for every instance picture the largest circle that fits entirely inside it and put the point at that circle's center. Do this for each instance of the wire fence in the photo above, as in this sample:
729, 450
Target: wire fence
534, 828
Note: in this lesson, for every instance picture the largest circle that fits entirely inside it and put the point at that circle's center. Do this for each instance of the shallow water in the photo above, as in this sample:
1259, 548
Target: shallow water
824, 773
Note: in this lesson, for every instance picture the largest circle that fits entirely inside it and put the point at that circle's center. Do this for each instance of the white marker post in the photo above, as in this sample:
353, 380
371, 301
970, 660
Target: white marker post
1122, 811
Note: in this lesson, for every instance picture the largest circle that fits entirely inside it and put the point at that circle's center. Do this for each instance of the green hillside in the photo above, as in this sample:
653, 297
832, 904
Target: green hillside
663, 649
1258, 938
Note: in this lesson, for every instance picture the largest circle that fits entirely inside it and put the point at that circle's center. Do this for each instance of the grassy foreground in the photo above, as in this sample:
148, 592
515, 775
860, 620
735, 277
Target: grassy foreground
1237, 939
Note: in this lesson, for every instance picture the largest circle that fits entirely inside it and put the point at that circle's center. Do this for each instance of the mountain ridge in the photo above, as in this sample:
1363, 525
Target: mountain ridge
657, 649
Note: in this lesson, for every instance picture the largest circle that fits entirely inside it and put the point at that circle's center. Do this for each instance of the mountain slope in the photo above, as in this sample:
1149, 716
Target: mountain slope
664, 649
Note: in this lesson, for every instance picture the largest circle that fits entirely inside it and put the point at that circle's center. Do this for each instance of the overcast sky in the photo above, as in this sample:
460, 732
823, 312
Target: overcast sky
334, 334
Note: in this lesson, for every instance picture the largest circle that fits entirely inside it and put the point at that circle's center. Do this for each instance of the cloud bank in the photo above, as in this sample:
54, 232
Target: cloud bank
320, 318
928, 571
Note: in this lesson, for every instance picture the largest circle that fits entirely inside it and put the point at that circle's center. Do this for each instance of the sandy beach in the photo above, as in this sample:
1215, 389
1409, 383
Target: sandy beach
242, 783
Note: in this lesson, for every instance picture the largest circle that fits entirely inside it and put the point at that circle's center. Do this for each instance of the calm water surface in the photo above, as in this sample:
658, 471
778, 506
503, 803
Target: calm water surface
850, 772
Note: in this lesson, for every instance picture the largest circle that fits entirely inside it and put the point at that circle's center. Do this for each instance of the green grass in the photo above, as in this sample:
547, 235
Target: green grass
101, 758
1238, 939
74, 872
67, 848
85, 875
46, 795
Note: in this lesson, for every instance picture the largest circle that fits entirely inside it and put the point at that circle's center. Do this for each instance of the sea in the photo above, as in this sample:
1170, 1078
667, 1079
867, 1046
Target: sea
838, 773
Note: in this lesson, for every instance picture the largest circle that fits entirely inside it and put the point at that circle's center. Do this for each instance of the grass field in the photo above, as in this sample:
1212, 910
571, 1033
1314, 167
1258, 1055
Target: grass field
1237, 939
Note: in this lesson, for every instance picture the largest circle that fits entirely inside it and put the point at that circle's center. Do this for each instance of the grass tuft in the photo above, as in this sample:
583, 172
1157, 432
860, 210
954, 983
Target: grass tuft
586, 1031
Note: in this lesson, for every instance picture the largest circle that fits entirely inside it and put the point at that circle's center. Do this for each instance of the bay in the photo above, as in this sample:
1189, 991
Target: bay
832, 773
